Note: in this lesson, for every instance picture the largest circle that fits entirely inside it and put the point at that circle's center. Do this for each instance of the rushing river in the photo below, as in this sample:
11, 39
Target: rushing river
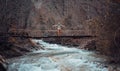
58, 58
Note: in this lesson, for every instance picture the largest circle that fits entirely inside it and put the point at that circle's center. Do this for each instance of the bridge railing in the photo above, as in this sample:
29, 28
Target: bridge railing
46, 33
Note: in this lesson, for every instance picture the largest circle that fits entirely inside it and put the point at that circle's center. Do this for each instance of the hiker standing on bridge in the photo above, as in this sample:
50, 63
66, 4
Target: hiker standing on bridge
59, 27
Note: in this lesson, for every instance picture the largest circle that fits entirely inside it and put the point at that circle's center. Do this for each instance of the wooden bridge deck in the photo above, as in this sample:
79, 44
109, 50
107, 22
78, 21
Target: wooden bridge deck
38, 34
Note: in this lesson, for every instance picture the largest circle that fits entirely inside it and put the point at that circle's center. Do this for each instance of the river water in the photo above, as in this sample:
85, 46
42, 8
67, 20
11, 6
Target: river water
58, 58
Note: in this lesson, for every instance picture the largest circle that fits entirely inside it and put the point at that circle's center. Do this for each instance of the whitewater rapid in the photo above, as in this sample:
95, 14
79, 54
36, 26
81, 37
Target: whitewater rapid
58, 58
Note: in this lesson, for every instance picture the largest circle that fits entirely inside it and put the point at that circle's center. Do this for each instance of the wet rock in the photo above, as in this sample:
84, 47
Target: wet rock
2, 68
